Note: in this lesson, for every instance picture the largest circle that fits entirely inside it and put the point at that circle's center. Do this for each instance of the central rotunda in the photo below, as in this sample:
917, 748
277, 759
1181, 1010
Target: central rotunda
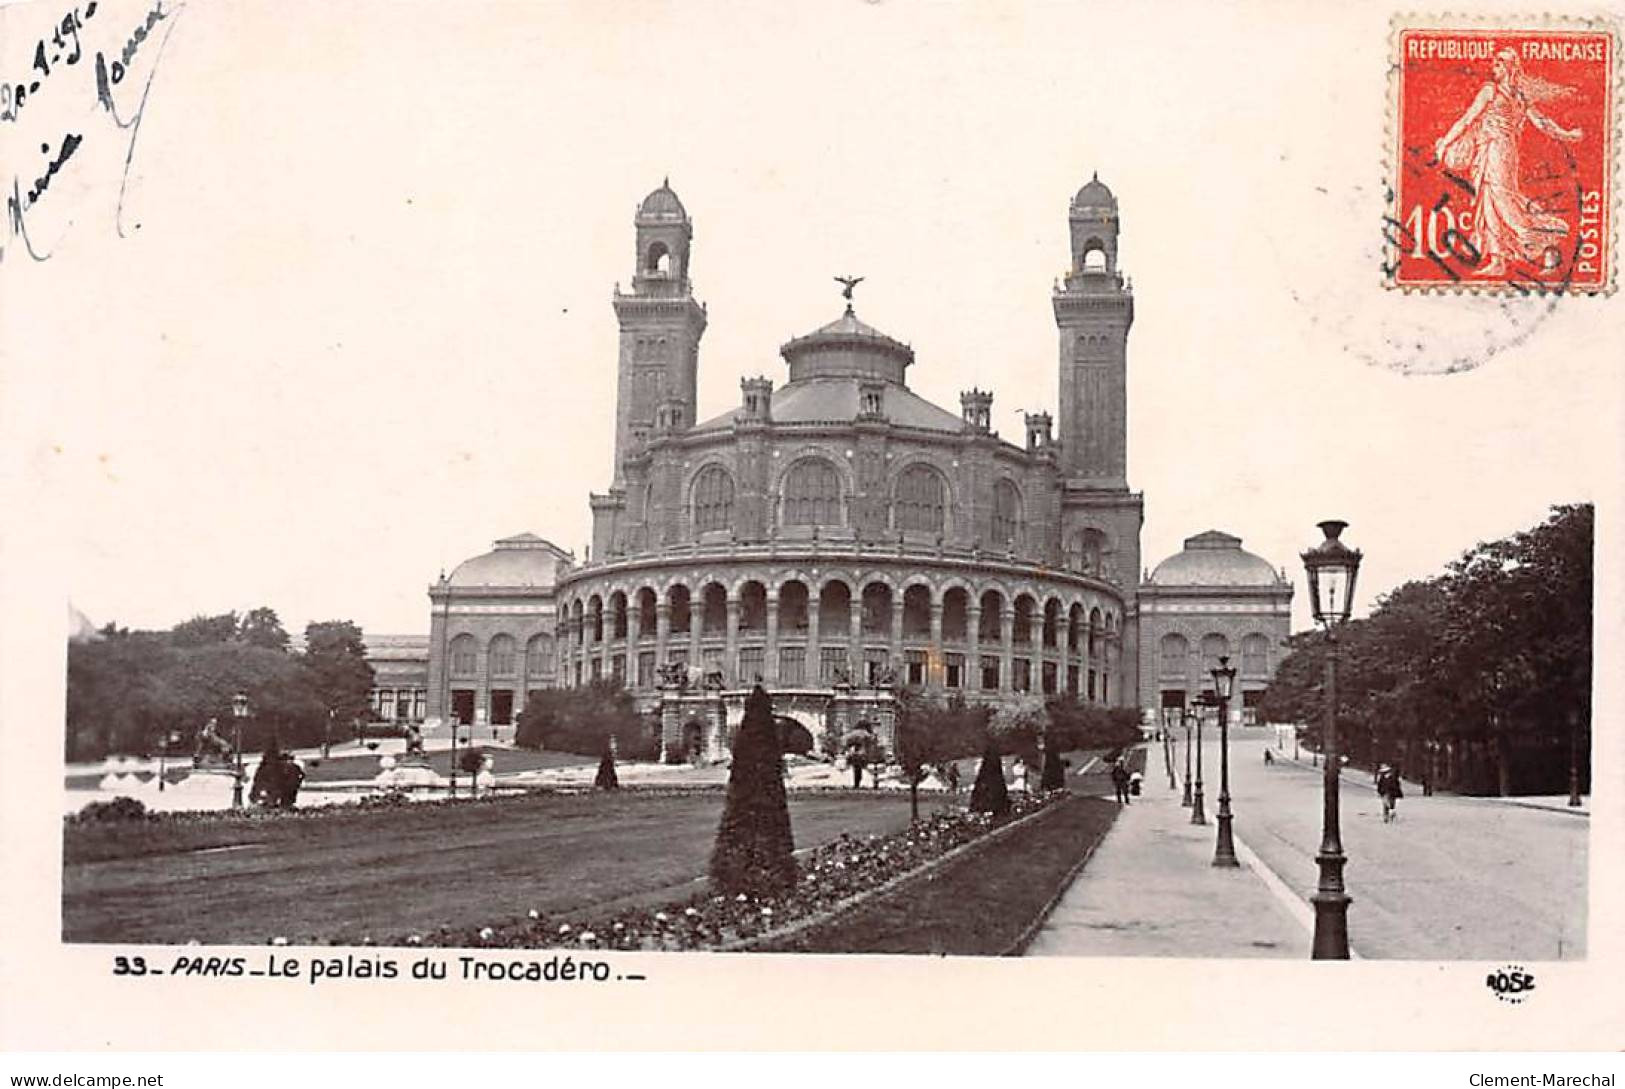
835, 534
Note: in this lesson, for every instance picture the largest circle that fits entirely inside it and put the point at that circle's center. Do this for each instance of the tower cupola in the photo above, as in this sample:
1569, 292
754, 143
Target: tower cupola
1093, 218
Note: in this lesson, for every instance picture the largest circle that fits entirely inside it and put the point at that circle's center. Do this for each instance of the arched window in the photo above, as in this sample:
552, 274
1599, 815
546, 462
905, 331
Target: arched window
463, 652
1006, 513
1213, 646
1088, 549
812, 494
1175, 654
539, 656
659, 259
1255, 653
713, 499
921, 500
504, 659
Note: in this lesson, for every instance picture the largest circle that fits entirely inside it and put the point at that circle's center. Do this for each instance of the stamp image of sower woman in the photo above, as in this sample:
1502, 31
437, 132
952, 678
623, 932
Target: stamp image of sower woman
1483, 147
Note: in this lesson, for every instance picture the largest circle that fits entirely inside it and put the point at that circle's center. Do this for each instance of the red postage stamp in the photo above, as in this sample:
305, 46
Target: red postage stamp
1503, 160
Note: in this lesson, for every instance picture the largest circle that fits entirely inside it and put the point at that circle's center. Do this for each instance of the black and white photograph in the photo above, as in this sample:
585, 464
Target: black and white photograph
1095, 523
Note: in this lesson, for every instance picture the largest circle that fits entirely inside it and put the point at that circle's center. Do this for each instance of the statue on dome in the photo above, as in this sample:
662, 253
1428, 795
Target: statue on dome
850, 282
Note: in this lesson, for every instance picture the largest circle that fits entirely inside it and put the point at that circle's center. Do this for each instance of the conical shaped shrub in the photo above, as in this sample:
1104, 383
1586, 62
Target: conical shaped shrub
990, 795
754, 852
607, 779
1054, 770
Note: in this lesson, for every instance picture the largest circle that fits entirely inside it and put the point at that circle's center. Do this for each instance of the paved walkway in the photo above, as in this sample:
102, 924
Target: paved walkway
1453, 878
1151, 890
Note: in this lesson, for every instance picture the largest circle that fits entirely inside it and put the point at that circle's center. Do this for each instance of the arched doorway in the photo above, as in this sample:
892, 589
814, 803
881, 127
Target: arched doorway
793, 736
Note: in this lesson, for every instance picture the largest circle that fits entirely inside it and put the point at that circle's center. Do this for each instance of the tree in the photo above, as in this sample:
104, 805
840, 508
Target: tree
261, 628
203, 630
1016, 726
114, 694
990, 795
585, 720
755, 850
341, 676
930, 734
1481, 667
1073, 724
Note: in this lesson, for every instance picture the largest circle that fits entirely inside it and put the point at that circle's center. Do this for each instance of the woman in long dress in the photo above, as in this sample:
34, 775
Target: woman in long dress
1483, 146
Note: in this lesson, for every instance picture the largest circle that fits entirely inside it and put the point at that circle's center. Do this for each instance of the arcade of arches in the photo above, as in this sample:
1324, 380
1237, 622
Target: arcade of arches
791, 630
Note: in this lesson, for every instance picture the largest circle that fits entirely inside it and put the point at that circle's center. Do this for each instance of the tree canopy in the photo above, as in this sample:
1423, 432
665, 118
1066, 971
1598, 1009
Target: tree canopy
129, 691
1488, 663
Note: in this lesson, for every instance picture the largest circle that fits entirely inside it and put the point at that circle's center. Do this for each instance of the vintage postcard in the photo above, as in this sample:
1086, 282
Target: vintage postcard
815, 526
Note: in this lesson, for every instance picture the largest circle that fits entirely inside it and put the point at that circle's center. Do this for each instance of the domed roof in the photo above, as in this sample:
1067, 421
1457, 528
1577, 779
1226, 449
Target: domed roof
1215, 559
847, 347
662, 204
848, 329
522, 562
1094, 194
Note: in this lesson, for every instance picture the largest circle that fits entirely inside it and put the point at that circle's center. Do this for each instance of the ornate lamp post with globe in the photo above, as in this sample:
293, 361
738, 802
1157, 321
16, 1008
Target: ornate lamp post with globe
1198, 814
239, 712
1224, 679
1332, 567
1185, 716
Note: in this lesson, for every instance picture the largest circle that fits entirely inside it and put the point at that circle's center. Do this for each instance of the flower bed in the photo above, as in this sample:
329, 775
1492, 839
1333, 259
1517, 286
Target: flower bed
830, 875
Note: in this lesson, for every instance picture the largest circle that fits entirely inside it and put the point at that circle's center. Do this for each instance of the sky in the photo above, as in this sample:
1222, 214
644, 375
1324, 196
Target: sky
350, 321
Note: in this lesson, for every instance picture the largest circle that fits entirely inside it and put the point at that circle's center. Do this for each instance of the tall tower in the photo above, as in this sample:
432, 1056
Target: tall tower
1093, 311
661, 325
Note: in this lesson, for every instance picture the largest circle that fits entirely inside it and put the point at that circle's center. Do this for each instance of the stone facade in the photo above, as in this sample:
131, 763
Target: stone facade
400, 676
1208, 600
832, 536
492, 626
837, 532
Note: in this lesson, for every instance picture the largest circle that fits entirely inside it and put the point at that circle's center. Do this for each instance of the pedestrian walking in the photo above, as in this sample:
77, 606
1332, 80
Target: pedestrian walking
1389, 790
1268, 758
1120, 781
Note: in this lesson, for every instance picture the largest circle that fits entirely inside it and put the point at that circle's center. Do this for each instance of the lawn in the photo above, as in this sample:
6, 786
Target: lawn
981, 903
345, 874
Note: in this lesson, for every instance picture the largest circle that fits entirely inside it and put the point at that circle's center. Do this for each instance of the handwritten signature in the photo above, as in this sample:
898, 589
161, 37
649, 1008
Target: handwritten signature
109, 74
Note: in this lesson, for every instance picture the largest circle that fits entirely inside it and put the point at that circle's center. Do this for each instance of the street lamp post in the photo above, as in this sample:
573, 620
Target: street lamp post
1185, 716
239, 711
1198, 814
1168, 751
1332, 568
1224, 679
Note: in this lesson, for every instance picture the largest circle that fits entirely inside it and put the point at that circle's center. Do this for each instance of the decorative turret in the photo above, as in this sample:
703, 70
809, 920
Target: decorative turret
757, 406
977, 408
1038, 432
661, 324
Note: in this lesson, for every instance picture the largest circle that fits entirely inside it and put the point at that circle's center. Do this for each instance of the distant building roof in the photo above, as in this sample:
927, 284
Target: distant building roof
395, 647
1215, 559
522, 561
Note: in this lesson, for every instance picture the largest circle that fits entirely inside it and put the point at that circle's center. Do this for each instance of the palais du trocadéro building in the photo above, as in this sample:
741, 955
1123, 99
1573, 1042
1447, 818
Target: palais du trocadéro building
834, 535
